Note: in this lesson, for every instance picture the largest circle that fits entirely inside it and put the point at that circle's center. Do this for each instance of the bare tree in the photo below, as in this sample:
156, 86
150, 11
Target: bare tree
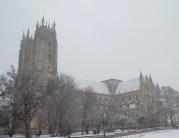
152, 120
96, 118
140, 118
87, 106
60, 105
169, 99
120, 120
25, 91
151, 117
130, 122
8, 120
113, 112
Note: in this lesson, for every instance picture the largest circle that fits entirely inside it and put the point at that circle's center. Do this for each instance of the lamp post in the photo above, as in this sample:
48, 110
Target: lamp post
82, 123
104, 124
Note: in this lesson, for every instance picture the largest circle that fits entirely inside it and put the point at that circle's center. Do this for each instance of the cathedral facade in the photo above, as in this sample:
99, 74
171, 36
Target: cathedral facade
40, 53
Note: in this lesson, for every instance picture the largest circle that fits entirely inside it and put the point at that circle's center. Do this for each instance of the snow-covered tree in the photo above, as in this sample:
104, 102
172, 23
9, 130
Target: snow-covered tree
140, 118
24, 91
119, 120
96, 119
152, 120
130, 122
87, 106
169, 98
8, 120
61, 105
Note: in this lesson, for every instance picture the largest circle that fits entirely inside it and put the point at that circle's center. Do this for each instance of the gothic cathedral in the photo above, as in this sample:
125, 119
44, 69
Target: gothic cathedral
40, 54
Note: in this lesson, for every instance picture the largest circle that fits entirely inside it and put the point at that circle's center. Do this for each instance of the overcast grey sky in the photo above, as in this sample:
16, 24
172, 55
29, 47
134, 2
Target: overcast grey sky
100, 39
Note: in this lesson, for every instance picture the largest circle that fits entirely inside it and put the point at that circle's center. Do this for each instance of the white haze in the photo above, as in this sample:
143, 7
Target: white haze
100, 39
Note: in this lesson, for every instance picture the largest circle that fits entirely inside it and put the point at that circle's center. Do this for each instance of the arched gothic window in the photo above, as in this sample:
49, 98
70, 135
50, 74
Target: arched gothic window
105, 100
49, 52
49, 49
136, 97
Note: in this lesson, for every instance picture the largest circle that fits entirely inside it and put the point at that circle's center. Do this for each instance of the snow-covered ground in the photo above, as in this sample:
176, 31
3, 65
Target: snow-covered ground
159, 134
155, 134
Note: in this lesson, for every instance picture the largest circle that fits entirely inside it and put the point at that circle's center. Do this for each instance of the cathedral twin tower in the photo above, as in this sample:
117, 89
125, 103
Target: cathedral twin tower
40, 53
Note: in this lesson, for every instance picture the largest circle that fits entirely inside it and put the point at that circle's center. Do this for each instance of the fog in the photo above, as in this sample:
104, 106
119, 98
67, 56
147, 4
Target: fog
100, 39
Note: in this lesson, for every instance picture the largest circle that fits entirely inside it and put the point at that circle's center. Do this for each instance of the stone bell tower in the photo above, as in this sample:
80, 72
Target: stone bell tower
40, 53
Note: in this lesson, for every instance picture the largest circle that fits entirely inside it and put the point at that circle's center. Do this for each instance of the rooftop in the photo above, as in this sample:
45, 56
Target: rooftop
102, 88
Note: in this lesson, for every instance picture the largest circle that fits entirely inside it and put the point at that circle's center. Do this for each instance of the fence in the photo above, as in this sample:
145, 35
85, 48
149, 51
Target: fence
132, 133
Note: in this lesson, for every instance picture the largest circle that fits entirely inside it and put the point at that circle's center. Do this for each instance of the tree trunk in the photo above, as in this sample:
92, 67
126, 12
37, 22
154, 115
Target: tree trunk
27, 127
82, 127
87, 128
172, 122
10, 133
122, 128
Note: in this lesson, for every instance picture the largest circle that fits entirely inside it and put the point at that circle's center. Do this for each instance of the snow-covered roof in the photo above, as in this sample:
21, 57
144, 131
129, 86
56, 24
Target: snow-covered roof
99, 87
102, 88
128, 86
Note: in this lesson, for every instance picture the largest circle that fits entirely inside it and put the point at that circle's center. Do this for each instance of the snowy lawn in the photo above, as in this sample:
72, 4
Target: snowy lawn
159, 134
156, 134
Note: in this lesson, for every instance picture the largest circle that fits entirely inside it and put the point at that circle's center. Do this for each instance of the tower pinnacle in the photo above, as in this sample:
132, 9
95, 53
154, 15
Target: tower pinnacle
23, 36
150, 78
146, 77
141, 76
54, 24
37, 25
43, 21
28, 32
140, 73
